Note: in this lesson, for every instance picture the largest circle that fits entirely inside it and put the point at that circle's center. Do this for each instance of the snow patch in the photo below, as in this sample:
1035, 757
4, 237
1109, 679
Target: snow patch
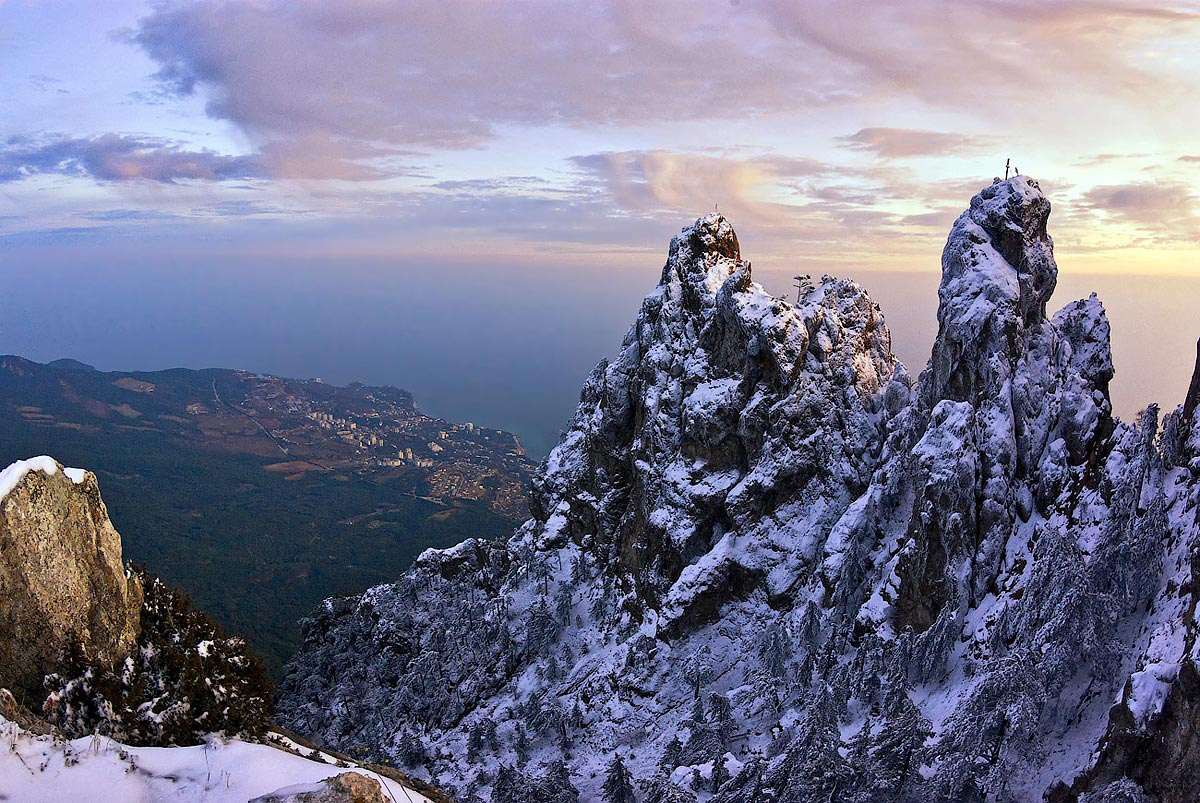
11, 476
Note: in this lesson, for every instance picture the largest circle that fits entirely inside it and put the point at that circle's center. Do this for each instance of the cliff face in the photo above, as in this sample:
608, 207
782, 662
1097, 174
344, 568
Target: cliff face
764, 564
63, 585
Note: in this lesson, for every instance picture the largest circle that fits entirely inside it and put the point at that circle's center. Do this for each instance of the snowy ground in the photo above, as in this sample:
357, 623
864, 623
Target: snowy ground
42, 769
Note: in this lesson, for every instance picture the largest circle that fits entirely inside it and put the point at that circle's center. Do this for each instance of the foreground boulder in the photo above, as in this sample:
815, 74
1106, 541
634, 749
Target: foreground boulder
63, 584
349, 787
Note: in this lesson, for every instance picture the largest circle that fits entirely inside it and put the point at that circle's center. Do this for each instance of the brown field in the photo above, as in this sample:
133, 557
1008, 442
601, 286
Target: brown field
136, 385
294, 467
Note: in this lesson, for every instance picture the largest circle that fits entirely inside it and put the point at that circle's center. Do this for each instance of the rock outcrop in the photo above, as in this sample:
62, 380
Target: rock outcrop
349, 787
765, 564
63, 585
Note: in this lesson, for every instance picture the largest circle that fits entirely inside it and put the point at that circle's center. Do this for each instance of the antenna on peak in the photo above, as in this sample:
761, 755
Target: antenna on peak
717, 208
1007, 162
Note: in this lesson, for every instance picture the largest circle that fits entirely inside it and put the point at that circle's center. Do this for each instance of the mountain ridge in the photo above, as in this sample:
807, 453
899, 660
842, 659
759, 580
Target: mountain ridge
759, 533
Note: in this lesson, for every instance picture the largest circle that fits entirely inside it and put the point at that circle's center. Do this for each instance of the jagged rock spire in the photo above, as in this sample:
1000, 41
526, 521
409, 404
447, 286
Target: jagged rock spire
701, 258
1193, 394
998, 273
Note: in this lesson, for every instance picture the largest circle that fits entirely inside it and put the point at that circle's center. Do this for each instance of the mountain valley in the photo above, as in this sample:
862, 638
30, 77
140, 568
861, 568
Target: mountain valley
258, 495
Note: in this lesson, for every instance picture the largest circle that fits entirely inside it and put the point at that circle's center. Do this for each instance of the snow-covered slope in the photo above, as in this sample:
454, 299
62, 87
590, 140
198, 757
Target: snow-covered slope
765, 564
43, 769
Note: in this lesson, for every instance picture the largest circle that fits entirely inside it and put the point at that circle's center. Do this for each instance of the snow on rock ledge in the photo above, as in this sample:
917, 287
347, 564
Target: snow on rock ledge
12, 475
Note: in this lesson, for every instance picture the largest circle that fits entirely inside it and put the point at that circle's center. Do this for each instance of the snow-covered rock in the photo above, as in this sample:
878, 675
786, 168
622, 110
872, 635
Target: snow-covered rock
349, 787
764, 564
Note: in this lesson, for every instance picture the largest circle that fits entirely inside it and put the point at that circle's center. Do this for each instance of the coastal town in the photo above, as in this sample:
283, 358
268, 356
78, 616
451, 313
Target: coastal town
378, 432
299, 426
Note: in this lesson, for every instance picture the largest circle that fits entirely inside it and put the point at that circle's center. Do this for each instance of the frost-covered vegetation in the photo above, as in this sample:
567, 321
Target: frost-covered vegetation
184, 680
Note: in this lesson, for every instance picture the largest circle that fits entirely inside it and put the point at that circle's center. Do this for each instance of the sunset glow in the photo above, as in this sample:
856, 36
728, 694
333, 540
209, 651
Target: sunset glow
840, 137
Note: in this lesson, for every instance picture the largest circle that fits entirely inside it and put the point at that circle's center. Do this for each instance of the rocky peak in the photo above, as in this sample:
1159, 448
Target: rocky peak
1192, 401
701, 259
707, 243
998, 273
63, 586
675, 439
1013, 213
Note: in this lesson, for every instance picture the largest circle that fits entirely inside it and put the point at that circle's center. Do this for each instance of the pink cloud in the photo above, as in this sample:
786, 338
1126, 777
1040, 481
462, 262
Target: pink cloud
333, 85
1168, 211
903, 142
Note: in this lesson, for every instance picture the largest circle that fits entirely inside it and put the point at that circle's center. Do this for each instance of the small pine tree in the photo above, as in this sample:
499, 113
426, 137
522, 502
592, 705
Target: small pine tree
564, 602
697, 669
481, 736
411, 750
704, 740
748, 786
618, 785
860, 745
575, 717
672, 755
474, 744
775, 650
555, 785
510, 786
720, 773
541, 629
661, 790
521, 746
551, 671
901, 736
810, 627
720, 719
580, 572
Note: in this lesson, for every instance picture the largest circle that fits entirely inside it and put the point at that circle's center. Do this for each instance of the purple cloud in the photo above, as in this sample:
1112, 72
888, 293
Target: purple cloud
1169, 211
118, 158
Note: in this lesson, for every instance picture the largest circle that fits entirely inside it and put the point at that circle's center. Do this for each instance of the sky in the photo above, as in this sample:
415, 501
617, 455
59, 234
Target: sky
468, 199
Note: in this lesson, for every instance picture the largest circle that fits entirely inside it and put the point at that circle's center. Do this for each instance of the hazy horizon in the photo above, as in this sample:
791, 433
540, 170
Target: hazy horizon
499, 345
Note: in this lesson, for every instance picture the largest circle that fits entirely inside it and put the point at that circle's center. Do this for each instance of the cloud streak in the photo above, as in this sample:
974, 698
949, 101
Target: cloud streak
1168, 211
891, 143
120, 158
